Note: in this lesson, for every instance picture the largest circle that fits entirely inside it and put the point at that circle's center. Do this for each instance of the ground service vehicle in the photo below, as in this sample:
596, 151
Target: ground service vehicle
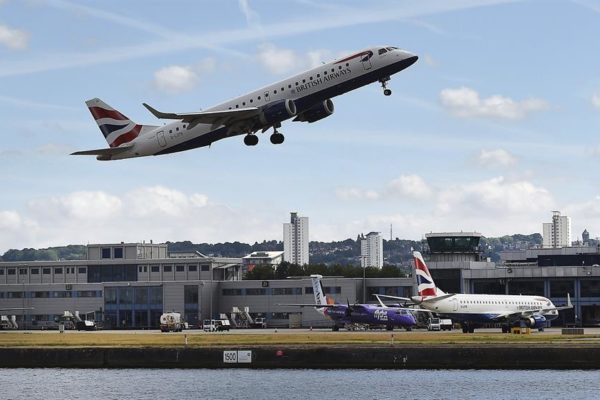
433, 324
171, 322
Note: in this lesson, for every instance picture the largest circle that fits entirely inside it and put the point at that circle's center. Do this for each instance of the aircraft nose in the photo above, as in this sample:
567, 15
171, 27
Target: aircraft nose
409, 57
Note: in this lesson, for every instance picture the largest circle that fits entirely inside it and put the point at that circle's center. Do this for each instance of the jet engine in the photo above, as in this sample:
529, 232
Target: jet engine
535, 321
316, 112
277, 111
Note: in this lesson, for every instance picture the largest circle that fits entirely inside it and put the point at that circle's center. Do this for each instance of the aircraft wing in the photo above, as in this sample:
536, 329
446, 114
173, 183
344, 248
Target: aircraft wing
216, 118
528, 313
310, 305
110, 151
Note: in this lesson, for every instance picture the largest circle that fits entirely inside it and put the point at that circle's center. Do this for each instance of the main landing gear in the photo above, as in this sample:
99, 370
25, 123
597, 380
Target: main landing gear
250, 139
276, 137
384, 82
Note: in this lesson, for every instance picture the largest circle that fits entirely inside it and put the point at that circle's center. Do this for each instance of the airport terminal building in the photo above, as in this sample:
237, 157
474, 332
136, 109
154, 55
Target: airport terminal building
129, 285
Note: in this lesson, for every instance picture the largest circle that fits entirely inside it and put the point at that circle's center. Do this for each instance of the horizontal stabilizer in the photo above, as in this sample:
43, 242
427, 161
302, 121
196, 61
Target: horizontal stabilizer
111, 151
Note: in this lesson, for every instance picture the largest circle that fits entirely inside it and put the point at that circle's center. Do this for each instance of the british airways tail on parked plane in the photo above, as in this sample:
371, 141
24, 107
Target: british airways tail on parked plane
476, 310
305, 97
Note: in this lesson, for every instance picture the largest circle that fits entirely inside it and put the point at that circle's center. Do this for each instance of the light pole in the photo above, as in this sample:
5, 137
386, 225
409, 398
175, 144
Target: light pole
364, 285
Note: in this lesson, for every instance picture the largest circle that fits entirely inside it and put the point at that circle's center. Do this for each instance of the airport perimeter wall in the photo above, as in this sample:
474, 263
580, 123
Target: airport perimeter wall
313, 357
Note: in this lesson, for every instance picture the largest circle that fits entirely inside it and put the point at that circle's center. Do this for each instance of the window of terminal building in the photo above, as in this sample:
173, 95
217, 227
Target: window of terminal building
180, 268
232, 292
82, 270
22, 271
286, 291
11, 271
308, 290
155, 268
205, 268
46, 271
106, 252
1, 271
256, 292
112, 273
118, 252
167, 268
192, 268
57, 271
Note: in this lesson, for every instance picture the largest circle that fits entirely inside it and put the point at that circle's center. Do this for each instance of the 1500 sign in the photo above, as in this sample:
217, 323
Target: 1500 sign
237, 356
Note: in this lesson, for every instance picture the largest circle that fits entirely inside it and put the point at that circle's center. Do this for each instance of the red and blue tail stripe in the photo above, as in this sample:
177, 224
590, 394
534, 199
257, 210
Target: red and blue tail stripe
116, 127
425, 284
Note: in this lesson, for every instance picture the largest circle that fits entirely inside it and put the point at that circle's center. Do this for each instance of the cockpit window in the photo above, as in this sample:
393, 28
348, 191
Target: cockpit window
392, 48
381, 51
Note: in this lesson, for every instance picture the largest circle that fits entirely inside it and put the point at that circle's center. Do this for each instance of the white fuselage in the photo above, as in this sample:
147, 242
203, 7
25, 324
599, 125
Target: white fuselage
486, 307
305, 89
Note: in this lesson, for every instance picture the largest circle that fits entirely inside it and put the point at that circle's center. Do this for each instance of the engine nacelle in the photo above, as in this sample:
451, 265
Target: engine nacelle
277, 111
536, 322
316, 112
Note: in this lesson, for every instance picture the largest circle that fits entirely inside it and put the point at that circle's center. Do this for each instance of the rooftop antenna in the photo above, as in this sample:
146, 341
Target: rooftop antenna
391, 236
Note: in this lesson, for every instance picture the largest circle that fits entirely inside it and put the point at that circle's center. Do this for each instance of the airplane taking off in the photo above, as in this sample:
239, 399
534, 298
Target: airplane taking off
473, 310
306, 97
344, 315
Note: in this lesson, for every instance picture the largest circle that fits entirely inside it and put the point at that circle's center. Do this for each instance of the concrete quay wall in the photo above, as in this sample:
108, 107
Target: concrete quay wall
313, 357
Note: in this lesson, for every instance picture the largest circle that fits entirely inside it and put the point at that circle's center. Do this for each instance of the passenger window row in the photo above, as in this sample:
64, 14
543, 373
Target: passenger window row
310, 78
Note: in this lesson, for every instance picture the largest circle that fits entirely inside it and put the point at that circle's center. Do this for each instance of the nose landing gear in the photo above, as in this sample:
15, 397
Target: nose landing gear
384, 82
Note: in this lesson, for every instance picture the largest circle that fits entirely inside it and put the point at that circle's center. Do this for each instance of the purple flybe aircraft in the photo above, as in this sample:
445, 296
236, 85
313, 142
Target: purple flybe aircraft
346, 315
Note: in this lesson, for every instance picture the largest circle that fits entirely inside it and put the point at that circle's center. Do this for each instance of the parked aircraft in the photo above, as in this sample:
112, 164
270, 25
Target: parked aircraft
306, 97
473, 310
345, 315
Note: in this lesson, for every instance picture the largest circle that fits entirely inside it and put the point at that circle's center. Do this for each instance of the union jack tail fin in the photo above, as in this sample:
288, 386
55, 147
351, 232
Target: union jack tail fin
425, 284
116, 127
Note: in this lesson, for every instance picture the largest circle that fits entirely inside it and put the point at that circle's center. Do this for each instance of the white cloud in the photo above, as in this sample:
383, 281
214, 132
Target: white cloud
13, 38
252, 17
175, 79
143, 213
495, 197
278, 61
496, 158
596, 100
281, 61
356, 194
180, 78
409, 186
405, 186
214, 40
465, 102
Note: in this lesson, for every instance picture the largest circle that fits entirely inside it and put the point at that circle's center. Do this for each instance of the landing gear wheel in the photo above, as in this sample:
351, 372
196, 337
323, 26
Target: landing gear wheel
465, 328
335, 328
277, 138
384, 82
250, 140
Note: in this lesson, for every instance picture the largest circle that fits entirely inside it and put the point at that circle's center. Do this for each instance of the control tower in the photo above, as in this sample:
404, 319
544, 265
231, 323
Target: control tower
450, 253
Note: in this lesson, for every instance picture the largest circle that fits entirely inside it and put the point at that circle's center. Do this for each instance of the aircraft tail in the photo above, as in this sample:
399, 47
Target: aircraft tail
318, 291
426, 286
116, 127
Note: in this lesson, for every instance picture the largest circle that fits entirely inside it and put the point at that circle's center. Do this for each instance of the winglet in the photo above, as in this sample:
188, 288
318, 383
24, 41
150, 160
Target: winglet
569, 304
160, 115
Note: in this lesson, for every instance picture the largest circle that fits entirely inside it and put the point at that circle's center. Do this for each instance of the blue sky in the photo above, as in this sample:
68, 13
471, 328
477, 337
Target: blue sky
494, 127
